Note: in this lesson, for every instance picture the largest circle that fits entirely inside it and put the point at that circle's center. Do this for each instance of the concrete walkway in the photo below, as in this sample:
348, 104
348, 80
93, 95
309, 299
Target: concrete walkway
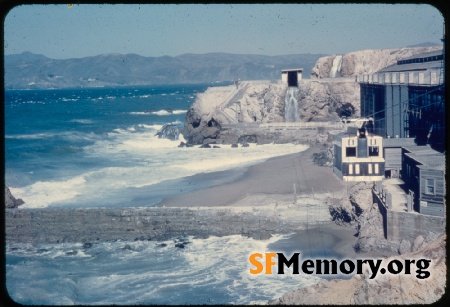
398, 201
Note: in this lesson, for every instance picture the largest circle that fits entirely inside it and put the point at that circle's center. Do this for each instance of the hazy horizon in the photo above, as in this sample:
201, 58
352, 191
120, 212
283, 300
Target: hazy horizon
86, 30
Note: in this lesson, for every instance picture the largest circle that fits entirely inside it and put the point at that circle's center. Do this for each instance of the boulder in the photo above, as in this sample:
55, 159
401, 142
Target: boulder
418, 242
169, 131
248, 139
405, 247
10, 200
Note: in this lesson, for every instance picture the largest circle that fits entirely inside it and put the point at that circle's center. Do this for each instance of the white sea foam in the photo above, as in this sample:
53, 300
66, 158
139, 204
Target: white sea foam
165, 112
68, 99
82, 121
154, 160
41, 194
206, 271
35, 136
160, 112
139, 113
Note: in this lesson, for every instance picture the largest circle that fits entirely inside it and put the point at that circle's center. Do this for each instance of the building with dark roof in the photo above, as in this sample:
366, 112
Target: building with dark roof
423, 172
407, 99
291, 76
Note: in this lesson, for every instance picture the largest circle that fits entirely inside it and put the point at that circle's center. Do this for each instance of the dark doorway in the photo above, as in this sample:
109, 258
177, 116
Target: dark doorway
292, 78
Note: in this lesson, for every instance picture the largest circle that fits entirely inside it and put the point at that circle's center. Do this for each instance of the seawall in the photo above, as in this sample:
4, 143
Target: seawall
90, 225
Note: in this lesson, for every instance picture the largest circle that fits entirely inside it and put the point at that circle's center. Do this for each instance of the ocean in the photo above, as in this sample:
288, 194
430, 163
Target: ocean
81, 148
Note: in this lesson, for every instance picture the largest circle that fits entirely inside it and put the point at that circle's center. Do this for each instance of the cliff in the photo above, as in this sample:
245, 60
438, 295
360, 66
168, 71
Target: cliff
250, 102
364, 61
262, 102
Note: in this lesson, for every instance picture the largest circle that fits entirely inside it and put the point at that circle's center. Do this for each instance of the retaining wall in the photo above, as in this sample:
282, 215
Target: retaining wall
88, 225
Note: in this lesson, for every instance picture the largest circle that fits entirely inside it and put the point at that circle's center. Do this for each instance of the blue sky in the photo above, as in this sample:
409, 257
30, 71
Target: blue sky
58, 31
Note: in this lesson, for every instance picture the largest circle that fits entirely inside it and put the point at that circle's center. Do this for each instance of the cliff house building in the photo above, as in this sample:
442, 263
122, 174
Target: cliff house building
357, 156
407, 99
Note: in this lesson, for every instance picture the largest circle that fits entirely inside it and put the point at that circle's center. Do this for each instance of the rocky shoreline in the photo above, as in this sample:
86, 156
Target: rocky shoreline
277, 197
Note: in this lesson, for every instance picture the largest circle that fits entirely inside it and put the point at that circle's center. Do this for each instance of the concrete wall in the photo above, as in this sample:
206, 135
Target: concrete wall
90, 225
408, 225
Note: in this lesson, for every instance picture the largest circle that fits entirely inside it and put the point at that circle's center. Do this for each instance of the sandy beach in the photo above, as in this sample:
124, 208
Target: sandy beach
275, 176
271, 182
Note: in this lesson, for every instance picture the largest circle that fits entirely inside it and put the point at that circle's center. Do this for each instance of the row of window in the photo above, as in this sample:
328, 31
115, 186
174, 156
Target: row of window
371, 169
421, 60
372, 141
373, 151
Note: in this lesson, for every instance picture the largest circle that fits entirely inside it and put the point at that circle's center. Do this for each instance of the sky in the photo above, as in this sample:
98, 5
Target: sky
61, 31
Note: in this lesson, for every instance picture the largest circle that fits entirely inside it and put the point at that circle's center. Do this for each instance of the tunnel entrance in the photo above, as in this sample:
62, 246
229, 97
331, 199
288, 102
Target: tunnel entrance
292, 78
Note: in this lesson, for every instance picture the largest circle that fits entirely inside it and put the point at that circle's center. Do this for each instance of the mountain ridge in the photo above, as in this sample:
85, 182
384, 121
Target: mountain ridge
36, 71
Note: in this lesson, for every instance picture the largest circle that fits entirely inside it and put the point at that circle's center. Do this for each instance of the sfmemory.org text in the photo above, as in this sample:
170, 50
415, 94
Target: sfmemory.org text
264, 263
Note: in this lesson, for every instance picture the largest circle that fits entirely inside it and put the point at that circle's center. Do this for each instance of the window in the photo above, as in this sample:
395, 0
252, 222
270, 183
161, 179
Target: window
429, 188
369, 168
376, 168
374, 151
357, 169
350, 151
350, 169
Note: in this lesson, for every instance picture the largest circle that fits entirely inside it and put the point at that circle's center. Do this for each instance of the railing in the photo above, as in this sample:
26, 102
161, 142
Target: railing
383, 195
303, 124
296, 125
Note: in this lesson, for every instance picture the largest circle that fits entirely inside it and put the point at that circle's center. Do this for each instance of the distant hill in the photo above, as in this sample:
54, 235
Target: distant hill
426, 44
28, 70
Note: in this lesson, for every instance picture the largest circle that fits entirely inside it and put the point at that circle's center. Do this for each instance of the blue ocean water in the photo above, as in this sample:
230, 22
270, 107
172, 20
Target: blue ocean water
46, 131
97, 148
58, 140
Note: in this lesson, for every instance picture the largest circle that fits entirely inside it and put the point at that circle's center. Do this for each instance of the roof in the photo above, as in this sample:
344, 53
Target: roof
412, 66
293, 69
424, 55
428, 61
428, 157
398, 142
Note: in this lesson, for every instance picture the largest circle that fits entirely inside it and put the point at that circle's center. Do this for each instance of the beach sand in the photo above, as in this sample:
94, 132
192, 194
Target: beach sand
272, 182
275, 176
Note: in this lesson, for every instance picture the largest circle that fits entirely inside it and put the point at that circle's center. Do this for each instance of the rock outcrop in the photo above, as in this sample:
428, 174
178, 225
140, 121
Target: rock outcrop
253, 102
358, 209
10, 200
384, 289
328, 100
169, 131
357, 200
365, 61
